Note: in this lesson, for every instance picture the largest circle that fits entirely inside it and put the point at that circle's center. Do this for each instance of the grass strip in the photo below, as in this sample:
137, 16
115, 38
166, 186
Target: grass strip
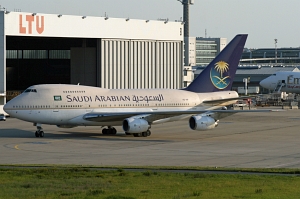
40, 181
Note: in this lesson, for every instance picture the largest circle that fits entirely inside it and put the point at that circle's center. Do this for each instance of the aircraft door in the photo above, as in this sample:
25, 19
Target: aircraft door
56, 108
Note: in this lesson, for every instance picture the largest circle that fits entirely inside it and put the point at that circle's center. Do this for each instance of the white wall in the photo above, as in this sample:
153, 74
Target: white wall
50, 25
192, 51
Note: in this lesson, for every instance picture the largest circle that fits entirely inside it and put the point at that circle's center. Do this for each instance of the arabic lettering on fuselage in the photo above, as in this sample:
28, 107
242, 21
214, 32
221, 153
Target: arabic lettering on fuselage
115, 98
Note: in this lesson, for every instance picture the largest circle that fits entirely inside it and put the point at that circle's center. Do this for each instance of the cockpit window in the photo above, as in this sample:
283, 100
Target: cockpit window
274, 74
30, 90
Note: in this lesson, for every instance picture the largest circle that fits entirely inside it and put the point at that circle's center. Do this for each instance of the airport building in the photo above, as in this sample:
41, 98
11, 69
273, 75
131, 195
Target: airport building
258, 64
254, 74
113, 53
272, 56
201, 52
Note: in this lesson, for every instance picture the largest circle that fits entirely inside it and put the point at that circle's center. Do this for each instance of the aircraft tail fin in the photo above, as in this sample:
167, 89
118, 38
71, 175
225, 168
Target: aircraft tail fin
219, 74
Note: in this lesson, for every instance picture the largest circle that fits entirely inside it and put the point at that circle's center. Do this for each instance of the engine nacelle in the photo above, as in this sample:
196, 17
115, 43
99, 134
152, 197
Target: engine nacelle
135, 125
202, 123
66, 126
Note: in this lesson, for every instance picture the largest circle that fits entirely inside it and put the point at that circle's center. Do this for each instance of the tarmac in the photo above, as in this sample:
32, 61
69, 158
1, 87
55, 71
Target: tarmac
243, 140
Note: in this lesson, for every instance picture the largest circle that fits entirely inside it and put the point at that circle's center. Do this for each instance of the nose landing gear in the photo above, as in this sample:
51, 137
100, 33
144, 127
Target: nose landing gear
39, 132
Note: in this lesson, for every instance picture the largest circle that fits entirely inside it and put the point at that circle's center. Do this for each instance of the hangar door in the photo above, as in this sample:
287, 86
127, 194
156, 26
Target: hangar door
140, 64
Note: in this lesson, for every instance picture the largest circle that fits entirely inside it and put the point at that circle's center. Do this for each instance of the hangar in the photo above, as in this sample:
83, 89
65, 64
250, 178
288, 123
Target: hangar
106, 52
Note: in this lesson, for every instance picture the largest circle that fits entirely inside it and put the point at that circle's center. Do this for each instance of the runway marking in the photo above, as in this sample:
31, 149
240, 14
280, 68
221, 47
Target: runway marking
17, 146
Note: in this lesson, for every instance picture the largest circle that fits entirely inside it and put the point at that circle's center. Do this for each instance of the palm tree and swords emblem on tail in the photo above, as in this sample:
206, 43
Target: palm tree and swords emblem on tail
217, 73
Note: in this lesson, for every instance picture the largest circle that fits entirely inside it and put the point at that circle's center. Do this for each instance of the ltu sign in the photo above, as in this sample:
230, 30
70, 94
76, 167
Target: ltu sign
31, 23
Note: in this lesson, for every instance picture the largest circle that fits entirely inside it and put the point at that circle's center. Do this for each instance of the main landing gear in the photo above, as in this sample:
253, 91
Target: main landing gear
109, 131
39, 132
143, 134
112, 131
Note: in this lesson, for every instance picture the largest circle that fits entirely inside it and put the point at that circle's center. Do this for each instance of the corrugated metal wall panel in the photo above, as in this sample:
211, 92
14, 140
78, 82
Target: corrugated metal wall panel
146, 64
140, 64
172, 73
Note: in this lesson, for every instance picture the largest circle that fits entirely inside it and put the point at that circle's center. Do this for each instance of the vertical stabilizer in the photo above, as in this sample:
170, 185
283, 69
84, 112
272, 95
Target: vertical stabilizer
219, 74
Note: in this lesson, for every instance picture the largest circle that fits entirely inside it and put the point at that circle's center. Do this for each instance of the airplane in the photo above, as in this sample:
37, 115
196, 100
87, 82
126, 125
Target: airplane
282, 81
202, 103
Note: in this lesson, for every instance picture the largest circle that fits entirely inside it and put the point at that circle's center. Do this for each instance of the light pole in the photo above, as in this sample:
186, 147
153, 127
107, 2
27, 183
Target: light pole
186, 4
186, 14
275, 50
246, 81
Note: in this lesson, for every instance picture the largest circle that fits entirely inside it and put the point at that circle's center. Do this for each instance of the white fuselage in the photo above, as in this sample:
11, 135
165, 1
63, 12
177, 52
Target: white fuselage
67, 104
287, 81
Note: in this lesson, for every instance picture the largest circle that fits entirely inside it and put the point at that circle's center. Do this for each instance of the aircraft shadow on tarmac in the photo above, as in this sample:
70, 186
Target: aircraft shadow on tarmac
18, 133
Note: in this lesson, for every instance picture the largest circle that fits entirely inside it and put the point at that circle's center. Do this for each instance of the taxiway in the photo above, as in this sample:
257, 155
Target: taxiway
246, 140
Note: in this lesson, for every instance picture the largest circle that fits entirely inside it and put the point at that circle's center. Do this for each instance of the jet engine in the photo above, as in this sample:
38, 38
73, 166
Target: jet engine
135, 125
202, 123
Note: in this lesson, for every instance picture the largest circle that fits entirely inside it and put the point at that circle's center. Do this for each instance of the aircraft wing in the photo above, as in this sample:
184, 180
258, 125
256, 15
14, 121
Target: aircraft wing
152, 116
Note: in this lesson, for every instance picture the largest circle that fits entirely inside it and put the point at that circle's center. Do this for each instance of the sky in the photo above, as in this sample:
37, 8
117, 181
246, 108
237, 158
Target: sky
263, 20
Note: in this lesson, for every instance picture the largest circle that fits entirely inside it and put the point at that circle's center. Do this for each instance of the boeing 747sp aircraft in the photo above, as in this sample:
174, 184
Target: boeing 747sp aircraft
283, 81
202, 102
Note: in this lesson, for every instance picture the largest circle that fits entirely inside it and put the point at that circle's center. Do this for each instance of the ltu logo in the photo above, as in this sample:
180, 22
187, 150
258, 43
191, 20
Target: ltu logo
30, 24
217, 75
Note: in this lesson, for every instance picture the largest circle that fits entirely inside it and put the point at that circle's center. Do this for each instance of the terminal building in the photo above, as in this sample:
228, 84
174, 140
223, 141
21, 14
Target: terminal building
272, 56
113, 53
254, 74
255, 65
201, 52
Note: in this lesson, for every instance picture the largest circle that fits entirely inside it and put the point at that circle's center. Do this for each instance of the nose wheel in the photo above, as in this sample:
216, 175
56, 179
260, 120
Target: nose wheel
39, 132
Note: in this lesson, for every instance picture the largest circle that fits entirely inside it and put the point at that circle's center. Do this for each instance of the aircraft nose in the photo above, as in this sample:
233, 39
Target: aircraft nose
264, 83
6, 108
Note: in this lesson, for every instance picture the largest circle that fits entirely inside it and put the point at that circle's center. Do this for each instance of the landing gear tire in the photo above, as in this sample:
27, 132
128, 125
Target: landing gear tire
109, 131
113, 131
41, 134
37, 134
127, 133
148, 132
144, 134
104, 131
